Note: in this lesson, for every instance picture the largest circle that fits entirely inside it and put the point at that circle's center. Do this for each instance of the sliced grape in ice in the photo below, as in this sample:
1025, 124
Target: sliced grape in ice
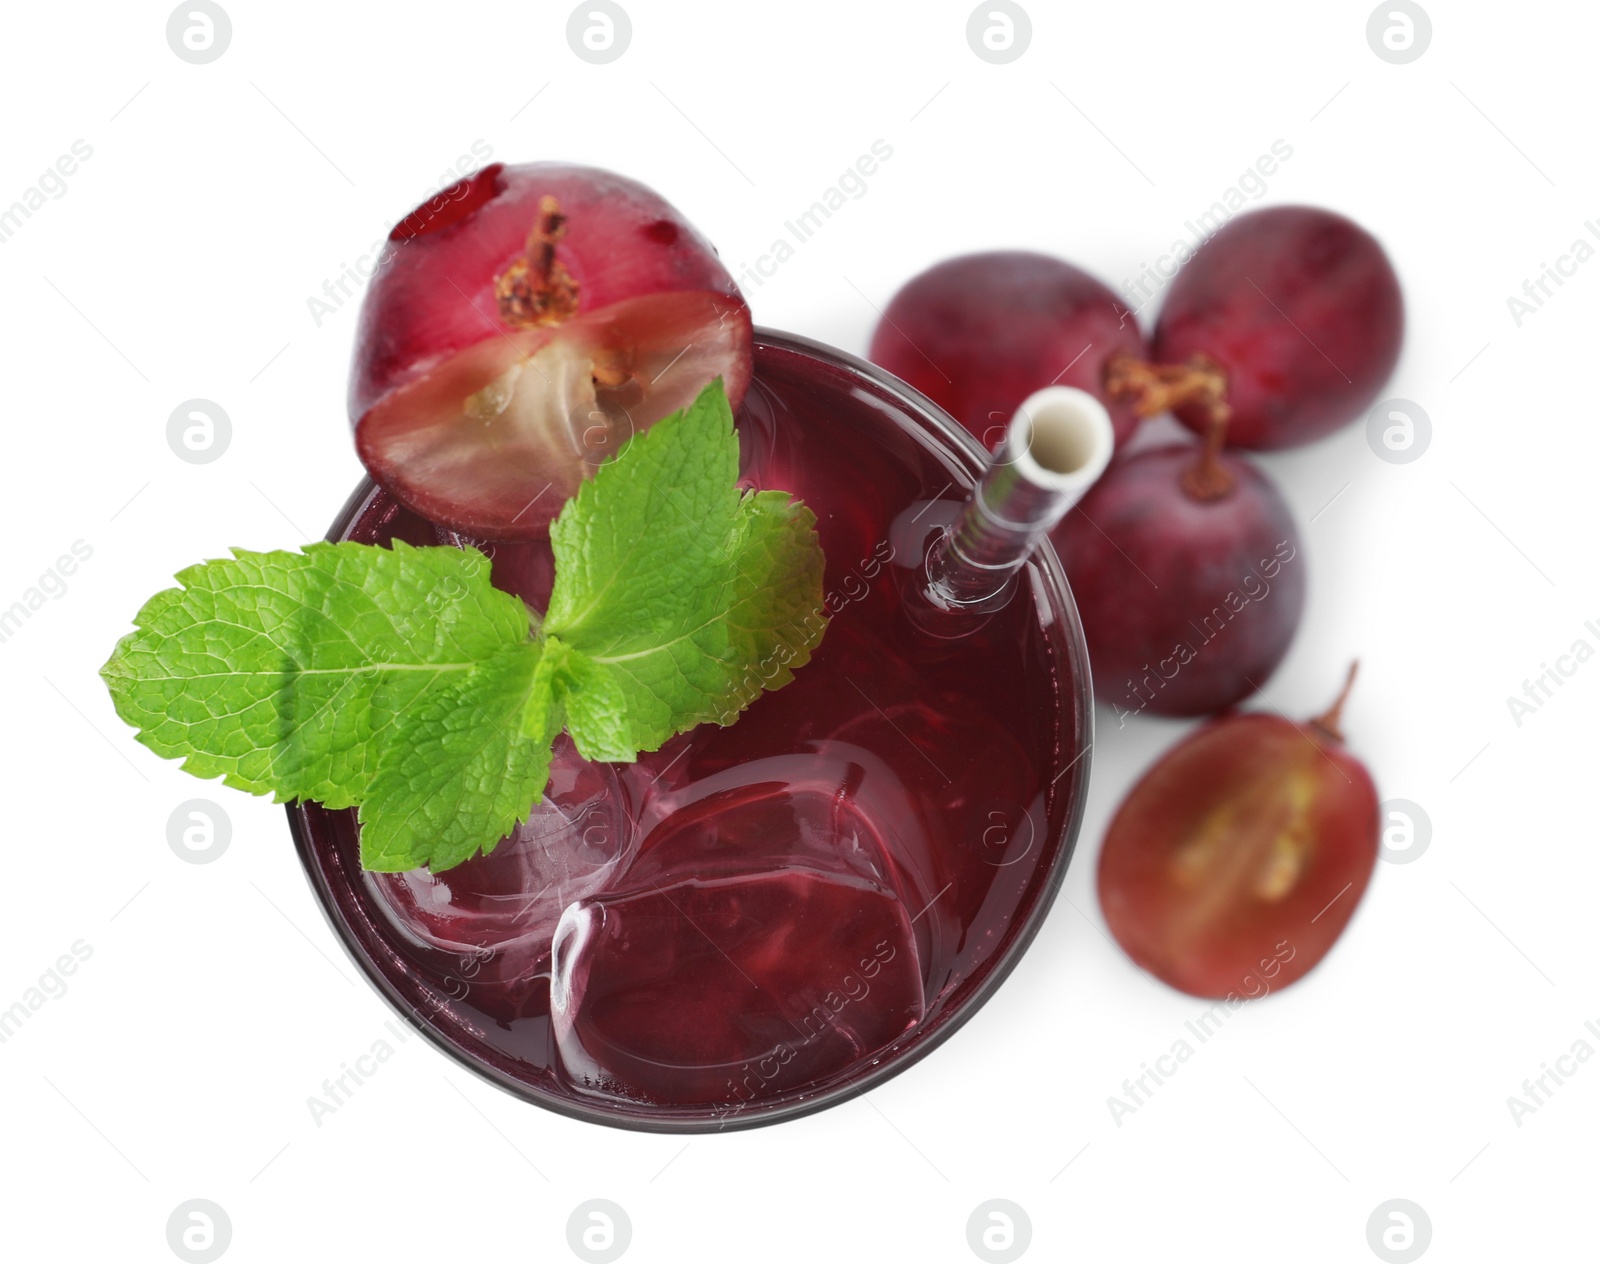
726, 990
508, 902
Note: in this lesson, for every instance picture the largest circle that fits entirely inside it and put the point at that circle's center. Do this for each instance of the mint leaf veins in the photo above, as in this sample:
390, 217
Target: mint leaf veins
399, 681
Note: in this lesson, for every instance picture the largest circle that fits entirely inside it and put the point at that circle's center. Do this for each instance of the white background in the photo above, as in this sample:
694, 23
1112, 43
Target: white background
179, 263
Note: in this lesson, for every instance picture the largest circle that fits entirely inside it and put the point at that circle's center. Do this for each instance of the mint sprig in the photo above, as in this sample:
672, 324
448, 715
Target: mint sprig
399, 681
291, 673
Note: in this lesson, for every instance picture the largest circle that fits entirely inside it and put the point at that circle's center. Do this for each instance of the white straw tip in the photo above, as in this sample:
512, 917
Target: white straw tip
1061, 439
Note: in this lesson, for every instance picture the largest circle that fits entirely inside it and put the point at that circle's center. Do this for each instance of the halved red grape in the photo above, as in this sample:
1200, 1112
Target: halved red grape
1300, 310
980, 333
1234, 864
1189, 575
520, 327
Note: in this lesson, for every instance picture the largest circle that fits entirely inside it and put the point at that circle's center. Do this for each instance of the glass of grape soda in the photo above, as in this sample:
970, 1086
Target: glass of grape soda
760, 920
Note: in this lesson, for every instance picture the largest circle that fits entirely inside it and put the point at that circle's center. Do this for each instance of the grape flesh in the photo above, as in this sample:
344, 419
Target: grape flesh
1233, 866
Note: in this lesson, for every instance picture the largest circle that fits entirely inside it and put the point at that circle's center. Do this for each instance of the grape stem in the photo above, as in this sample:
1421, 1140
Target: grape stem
1208, 478
1328, 722
537, 289
1159, 388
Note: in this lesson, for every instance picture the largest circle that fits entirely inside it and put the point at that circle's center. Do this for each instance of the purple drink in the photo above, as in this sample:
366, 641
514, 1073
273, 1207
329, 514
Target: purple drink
759, 920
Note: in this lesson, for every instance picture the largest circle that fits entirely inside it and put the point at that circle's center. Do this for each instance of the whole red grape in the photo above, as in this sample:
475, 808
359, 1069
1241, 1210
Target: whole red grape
1300, 309
1189, 575
979, 333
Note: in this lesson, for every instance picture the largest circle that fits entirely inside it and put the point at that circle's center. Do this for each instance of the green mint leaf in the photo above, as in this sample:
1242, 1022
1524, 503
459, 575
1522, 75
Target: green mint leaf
677, 600
594, 702
290, 673
400, 681
645, 541
468, 769
777, 617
